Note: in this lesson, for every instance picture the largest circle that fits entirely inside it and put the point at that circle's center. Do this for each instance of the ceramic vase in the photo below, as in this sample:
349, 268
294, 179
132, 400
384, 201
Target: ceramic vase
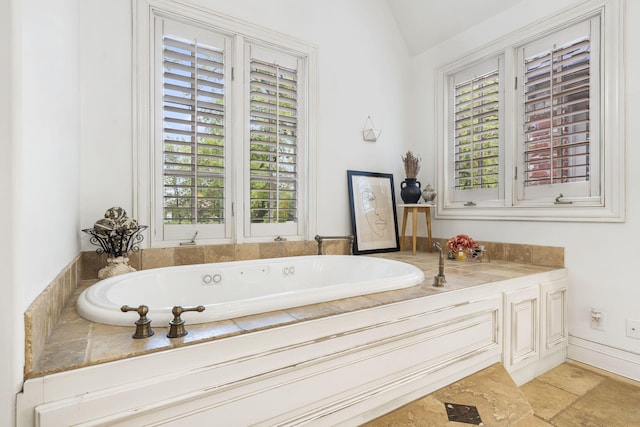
410, 191
428, 194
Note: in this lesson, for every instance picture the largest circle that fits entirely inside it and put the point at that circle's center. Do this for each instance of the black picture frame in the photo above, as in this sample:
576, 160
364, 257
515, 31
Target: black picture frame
374, 220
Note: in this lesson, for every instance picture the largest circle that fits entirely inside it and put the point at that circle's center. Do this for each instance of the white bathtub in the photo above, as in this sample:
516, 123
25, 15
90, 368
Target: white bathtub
241, 288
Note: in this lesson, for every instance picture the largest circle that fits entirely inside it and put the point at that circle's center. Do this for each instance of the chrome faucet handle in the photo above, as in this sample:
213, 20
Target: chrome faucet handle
143, 324
176, 326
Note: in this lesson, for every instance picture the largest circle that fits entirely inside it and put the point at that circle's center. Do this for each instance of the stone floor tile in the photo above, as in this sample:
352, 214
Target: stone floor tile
547, 400
493, 392
425, 412
608, 402
572, 378
611, 403
531, 421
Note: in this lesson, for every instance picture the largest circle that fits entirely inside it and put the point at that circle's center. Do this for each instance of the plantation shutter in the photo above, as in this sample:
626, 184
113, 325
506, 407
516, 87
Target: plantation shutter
476, 133
274, 142
558, 79
193, 128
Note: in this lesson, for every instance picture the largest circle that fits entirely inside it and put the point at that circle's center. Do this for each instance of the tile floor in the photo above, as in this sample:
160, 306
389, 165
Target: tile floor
571, 394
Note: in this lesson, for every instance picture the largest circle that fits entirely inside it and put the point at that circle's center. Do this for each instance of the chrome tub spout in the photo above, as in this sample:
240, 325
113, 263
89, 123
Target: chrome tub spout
319, 239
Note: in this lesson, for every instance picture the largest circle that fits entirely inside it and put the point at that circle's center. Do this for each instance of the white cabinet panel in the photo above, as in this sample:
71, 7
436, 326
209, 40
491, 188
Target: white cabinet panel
554, 316
522, 327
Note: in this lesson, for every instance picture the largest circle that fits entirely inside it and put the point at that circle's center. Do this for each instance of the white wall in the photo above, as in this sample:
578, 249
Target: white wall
601, 258
105, 97
10, 360
40, 163
47, 143
357, 42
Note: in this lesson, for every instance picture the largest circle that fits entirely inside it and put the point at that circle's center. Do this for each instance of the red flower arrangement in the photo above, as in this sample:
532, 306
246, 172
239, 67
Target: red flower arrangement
461, 242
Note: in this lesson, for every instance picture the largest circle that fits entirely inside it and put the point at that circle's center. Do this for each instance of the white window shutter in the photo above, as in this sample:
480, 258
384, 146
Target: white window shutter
275, 149
476, 134
559, 83
193, 164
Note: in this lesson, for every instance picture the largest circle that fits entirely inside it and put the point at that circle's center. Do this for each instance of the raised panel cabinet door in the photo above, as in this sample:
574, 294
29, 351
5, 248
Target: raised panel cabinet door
554, 322
522, 311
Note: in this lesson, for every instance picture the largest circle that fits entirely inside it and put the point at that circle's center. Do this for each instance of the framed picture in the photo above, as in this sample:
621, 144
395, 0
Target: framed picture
373, 212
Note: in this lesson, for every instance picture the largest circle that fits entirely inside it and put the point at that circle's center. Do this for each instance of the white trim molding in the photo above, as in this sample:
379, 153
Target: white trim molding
612, 359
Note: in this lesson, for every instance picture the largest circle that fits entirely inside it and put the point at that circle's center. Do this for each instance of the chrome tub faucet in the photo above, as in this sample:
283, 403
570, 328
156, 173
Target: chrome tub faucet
439, 279
319, 239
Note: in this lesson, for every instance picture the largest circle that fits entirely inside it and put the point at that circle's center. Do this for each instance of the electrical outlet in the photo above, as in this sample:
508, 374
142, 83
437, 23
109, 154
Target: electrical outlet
597, 319
633, 328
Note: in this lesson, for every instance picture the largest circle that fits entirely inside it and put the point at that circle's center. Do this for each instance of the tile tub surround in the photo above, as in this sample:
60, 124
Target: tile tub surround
187, 255
549, 256
91, 262
44, 313
47, 310
76, 342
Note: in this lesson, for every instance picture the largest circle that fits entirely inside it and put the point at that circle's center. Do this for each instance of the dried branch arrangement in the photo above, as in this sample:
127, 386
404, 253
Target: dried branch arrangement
411, 165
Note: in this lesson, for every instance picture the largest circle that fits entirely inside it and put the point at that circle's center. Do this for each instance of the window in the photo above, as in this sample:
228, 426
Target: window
192, 180
225, 153
559, 96
274, 150
536, 148
476, 133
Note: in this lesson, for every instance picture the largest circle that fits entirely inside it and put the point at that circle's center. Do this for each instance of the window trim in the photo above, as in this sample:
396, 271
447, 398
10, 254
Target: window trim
144, 12
613, 100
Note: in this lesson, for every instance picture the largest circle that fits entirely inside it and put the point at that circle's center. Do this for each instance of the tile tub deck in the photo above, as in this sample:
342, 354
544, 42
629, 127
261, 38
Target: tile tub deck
76, 342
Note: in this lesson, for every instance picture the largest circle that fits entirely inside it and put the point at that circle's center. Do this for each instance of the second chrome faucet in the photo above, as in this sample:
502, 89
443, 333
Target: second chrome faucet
439, 280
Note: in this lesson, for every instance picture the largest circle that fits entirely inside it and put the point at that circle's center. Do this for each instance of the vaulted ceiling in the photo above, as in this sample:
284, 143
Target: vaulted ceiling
425, 23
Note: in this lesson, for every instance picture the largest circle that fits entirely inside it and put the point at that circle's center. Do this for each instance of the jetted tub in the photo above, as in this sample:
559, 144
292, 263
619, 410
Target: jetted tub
241, 288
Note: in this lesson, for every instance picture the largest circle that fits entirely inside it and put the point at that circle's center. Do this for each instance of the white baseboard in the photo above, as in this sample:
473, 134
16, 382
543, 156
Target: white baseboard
615, 360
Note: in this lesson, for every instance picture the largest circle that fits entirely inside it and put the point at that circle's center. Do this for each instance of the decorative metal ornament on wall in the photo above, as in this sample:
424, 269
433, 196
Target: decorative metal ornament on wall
116, 235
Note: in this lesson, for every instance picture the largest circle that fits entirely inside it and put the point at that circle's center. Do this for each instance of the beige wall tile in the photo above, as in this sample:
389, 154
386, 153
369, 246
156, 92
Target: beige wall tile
334, 247
46, 310
220, 253
91, 263
310, 247
247, 251
271, 250
188, 255
293, 248
135, 260
517, 253
156, 257
550, 256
